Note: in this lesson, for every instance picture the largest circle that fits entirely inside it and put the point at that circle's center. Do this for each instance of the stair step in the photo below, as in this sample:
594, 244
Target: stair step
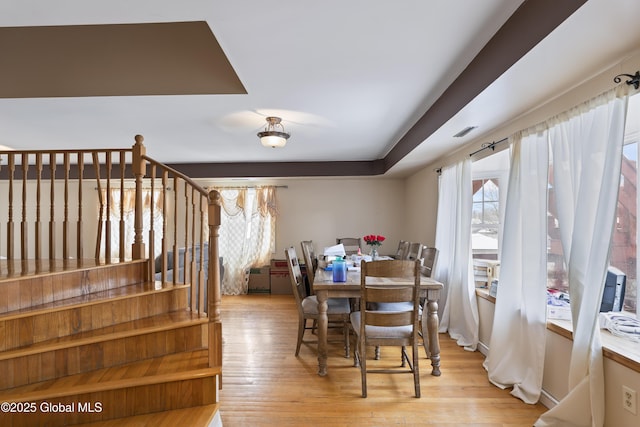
92, 299
199, 416
164, 383
27, 283
90, 311
111, 346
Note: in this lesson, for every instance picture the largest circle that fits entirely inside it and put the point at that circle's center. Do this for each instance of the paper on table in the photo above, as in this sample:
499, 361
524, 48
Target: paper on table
337, 250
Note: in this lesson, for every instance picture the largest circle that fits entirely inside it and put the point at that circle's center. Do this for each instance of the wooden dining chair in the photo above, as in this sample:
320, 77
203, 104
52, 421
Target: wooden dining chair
338, 309
402, 251
310, 260
351, 244
415, 251
401, 285
429, 259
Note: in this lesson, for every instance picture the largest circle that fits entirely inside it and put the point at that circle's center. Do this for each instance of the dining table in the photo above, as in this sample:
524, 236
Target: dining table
324, 288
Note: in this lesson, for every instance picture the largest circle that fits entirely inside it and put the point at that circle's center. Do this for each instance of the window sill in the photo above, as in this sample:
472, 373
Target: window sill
620, 350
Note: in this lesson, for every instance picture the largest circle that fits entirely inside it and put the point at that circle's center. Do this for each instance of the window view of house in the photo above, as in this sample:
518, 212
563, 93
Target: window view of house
490, 176
485, 218
624, 241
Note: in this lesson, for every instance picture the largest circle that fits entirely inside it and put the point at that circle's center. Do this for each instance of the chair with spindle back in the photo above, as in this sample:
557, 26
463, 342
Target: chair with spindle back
310, 261
351, 244
400, 285
402, 251
415, 251
338, 309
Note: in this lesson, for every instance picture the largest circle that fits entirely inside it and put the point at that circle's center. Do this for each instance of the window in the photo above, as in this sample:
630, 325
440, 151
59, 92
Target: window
488, 186
485, 217
623, 253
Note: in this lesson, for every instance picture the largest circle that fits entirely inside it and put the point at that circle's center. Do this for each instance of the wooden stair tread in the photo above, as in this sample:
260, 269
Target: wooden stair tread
146, 325
197, 416
17, 269
121, 292
168, 368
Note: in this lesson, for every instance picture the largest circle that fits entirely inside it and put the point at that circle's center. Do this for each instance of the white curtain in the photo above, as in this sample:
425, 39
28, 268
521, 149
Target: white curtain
247, 234
454, 267
586, 145
516, 350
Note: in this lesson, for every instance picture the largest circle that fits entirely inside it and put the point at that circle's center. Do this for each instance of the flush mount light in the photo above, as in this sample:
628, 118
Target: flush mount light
464, 131
271, 136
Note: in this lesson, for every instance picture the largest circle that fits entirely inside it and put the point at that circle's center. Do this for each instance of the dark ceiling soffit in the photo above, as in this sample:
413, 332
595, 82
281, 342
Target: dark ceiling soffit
166, 58
529, 24
279, 169
227, 170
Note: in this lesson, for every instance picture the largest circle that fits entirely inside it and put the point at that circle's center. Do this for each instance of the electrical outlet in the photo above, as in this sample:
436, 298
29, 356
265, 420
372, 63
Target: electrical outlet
629, 399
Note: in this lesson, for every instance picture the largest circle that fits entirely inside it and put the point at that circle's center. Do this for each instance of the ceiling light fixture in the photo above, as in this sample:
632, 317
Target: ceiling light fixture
271, 137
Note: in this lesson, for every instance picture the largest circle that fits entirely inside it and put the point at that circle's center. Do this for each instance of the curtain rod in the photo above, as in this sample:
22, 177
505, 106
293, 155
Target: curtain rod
242, 187
485, 146
488, 145
114, 187
634, 79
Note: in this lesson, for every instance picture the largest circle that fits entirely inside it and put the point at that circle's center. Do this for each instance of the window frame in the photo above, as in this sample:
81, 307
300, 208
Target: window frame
502, 177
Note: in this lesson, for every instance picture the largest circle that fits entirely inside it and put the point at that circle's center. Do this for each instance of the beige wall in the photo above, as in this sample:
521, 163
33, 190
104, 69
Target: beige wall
326, 208
422, 206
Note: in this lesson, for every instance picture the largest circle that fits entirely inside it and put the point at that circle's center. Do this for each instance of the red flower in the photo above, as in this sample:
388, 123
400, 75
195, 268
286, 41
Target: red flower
373, 239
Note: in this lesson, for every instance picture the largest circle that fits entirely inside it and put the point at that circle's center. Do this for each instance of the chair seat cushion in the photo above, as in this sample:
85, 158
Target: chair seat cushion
393, 306
334, 305
380, 331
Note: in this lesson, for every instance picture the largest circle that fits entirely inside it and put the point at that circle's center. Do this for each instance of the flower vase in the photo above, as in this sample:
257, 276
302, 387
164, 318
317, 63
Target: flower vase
374, 253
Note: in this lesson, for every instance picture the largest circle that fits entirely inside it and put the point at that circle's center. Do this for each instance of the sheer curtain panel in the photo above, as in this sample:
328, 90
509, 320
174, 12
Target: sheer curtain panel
516, 359
586, 144
454, 267
247, 234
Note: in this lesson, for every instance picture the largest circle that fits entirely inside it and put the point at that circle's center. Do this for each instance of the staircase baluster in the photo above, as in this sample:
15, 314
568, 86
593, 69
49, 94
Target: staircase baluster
24, 225
213, 282
139, 167
175, 230
165, 211
79, 245
10, 229
152, 245
121, 225
38, 224
96, 169
107, 223
52, 211
201, 266
65, 221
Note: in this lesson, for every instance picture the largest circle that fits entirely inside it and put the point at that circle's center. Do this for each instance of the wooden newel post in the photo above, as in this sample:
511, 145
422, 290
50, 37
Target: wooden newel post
139, 166
213, 283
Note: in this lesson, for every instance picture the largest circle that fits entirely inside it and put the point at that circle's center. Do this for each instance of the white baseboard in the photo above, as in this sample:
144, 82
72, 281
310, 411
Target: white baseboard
545, 398
482, 348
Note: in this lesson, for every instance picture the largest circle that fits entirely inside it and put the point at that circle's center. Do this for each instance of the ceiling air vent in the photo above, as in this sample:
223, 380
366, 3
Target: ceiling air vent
464, 131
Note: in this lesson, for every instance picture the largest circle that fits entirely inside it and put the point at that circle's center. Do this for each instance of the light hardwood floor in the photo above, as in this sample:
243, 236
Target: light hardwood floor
264, 384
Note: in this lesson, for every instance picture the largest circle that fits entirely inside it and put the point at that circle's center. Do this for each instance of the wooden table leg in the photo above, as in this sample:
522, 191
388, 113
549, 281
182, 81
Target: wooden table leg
432, 334
323, 323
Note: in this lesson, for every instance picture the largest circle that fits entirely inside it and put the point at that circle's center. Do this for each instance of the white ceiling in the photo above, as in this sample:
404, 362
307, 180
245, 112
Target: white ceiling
348, 78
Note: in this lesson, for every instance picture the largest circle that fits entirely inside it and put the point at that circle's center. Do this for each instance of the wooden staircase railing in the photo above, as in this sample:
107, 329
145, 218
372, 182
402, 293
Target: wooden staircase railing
49, 202
200, 212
